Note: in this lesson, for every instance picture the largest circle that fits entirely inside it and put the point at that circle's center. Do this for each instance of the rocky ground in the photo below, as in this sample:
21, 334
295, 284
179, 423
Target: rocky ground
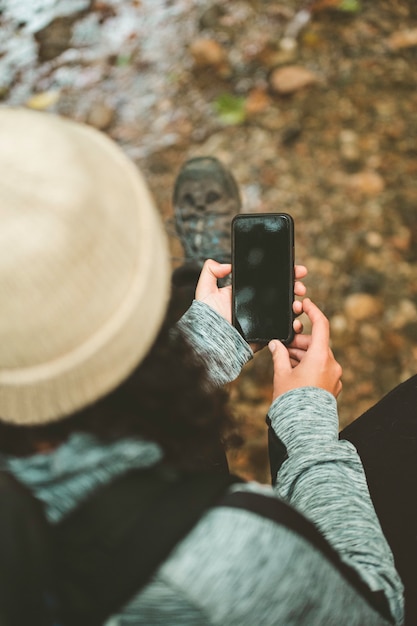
313, 107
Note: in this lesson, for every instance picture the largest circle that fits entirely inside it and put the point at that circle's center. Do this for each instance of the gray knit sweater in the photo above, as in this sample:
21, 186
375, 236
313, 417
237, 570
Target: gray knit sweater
235, 567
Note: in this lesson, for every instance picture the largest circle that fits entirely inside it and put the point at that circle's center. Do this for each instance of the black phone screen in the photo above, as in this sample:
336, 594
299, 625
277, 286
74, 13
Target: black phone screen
263, 276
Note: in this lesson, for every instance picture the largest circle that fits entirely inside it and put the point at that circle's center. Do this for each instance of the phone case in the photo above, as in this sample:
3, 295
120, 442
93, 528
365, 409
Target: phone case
264, 278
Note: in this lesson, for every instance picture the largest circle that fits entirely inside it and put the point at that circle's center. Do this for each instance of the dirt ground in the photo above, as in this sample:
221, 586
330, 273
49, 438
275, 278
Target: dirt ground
317, 120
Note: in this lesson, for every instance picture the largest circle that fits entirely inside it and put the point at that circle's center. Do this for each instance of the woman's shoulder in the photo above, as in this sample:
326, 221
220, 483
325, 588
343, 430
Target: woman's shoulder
236, 564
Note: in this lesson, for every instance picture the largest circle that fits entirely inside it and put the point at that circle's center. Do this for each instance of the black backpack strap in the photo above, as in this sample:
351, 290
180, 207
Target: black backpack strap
280, 512
109, 547
24, 549
277, 452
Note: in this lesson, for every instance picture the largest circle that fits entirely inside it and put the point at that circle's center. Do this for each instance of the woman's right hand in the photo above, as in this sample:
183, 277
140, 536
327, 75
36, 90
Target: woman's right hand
308, 362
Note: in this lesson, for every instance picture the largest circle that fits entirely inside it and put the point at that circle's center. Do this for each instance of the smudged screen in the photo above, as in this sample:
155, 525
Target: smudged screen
263, 276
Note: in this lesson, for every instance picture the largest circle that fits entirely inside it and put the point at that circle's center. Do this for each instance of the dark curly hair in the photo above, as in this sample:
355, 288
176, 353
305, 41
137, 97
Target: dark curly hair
166, 399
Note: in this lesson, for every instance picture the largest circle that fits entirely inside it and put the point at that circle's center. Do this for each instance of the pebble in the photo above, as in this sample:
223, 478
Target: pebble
374, 239
101, 116
362, 306
338, 324
54, 38
349, 147
403, 39
371, 333
257, 101
402, 239
292, 78
207, 53
405, 313
368, 183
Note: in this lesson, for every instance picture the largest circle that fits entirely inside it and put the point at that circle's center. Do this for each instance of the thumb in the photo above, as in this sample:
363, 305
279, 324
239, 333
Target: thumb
280, 357
207, 283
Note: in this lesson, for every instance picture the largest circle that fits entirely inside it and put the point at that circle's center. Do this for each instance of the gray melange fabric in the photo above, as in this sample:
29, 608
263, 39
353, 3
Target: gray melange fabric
235, 567
219, 345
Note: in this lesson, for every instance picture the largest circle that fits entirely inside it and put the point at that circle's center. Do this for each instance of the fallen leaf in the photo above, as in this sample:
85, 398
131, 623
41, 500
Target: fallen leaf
350, 6
123, 60
230, 109
44, 100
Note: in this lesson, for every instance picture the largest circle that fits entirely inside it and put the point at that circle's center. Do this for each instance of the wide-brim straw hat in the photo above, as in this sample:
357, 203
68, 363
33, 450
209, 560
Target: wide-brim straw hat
84, 267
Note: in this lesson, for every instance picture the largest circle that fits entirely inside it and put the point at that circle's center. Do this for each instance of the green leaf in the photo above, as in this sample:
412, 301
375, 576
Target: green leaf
351, 6
123, 60
230, 109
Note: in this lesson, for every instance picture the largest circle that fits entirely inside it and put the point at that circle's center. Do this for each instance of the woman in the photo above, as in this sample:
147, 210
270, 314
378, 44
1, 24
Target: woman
93, 384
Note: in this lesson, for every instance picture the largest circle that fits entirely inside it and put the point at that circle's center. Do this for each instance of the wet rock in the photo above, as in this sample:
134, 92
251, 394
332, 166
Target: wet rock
365, 389
101, 116
403, 39
105, 10
292, 78
55, 38
208, 53
368, 183
269, 57
405, 313
410, 331
211, 17
374, 239
291, 133
362, 306
402, 239
372, 335
271, 120
367, 280
349, 147
4, 92
294, 28
257, 101
338, 324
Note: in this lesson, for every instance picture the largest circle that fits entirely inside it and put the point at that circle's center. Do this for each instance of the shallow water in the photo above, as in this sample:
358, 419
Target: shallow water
129, 57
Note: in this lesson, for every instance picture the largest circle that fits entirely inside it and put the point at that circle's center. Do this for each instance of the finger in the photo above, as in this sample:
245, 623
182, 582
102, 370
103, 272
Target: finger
280, 357
297, 326
296, 354
320, 324
300, 271
209, 274
301, 342
299, 288
297, 307
219, 270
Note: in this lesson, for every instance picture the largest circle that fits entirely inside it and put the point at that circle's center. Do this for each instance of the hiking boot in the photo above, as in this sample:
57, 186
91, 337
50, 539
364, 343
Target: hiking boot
205, 199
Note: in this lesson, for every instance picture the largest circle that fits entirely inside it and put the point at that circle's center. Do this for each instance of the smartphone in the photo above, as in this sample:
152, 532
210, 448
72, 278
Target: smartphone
263, 276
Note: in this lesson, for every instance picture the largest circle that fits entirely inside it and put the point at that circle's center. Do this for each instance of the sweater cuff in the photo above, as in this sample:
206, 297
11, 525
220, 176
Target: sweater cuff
303, 417
216, 342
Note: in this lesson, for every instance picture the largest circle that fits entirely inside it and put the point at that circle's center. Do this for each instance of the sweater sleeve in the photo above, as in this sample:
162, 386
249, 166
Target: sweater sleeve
216, 342
324, 479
